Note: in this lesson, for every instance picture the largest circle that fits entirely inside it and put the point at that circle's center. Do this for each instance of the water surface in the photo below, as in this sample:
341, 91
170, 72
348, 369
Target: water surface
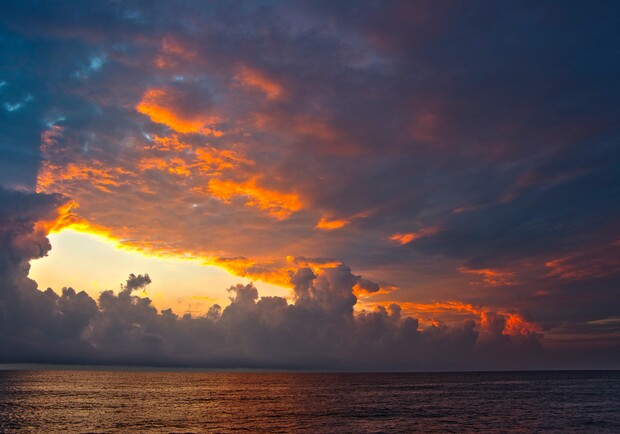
113, 401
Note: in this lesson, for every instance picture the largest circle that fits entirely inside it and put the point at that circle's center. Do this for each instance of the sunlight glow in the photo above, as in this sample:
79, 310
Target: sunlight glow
183, 284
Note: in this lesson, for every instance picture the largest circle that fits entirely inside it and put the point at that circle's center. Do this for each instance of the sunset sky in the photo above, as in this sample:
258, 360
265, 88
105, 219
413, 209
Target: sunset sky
407, 184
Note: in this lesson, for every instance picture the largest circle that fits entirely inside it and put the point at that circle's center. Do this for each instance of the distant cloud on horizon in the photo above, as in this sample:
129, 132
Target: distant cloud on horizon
319, 331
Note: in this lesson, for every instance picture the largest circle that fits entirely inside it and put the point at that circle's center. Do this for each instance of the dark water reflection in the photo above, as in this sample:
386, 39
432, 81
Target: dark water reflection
112, 401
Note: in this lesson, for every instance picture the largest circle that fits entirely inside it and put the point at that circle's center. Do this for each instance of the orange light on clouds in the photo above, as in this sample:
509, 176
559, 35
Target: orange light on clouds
158, 105
51, 174
173, 165
171, 45
316, 264
586, 265
62, 219
491, 277
172, 52
274, 272
360, 292
252, 78
456, 311
211, 159
270, 272
278, 204
187, 285
330, 225
170, 143
407, 237
515, 324
403, 238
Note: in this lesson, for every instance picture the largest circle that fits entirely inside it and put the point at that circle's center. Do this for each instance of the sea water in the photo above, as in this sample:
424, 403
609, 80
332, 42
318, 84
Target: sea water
188, 402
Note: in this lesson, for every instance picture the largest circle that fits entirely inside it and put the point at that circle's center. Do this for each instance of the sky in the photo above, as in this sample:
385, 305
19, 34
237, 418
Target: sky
351, 185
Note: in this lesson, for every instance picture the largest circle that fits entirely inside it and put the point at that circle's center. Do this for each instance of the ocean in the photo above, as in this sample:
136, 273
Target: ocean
98, 401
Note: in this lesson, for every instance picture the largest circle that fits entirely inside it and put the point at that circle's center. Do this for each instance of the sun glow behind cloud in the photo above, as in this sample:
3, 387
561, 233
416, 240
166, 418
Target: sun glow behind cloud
183, 284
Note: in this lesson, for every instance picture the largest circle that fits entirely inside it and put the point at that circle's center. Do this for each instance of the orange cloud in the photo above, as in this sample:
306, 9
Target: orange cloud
403, 238
278, 204
50, 137
561, 268
316, 264
171, 45
206, 166
172, 51
158, 105
330, 225
360, 292
277, 272
95, 173
63, 218
211, 159
253, 78
170, 143
169, 155
174, 165
491, 277
270, 271
189, 160
407, 237
515, 324
438, 308
598, 263
456, 311
163, 153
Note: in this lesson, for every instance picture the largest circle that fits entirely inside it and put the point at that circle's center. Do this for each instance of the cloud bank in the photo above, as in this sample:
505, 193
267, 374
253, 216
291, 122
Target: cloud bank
318, 331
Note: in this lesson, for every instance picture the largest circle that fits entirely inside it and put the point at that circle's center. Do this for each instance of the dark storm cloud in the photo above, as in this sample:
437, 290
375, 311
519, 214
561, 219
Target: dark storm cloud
484, 136
34, 322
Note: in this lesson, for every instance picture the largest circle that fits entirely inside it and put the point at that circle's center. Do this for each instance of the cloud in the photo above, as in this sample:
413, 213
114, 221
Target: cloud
319, 330
491, 277
330, 225
253, 78
597, 262
280, 205
136, 282
244, 136
167, 106
407, 237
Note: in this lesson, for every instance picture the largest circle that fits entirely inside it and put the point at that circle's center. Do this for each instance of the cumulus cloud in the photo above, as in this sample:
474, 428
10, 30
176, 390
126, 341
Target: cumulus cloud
318, 331
136, 282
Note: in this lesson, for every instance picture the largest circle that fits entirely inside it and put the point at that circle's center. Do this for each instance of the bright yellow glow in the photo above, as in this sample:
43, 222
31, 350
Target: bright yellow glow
93, 263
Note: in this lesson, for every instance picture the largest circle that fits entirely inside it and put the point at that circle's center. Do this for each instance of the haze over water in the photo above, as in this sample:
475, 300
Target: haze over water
113, 401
